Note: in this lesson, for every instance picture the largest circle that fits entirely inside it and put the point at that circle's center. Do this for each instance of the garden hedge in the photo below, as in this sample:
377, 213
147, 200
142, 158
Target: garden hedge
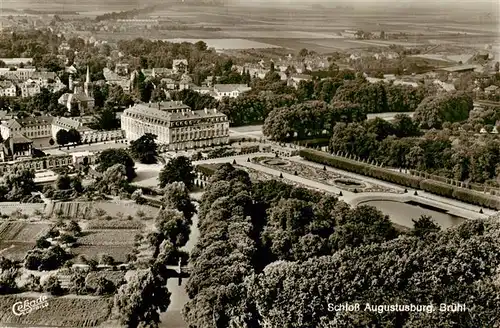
361, 168
474, 197
435, 187
438, 188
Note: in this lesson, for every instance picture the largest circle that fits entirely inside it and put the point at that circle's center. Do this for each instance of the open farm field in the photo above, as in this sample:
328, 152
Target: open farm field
16, 238
118, 253
112, 225
113, 242
29, 209
221, 44
113, 237
280, 34
61, 312
15, 250
321, 46
22, 231
112, 208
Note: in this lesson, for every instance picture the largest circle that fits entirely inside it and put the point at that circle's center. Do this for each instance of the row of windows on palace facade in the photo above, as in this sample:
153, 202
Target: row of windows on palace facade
38, 164
203, 134
185, 122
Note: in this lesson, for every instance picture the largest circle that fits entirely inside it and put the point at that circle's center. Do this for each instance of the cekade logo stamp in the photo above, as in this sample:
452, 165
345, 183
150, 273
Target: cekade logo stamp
26, 307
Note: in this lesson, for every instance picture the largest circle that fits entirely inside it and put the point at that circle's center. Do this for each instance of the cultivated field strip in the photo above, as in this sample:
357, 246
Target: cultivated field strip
16, 238
112, 208
22, 231
108, 237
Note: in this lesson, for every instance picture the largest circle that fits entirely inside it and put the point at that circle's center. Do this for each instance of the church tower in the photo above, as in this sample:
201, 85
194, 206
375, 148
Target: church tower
70, 83
87, 85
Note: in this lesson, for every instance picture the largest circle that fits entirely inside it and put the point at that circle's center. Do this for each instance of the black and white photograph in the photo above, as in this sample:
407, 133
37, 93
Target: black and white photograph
249, 164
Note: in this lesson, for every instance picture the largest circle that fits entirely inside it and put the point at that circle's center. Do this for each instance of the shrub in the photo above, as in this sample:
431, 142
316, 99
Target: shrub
67, 239
53, 286
106, 259
42, 243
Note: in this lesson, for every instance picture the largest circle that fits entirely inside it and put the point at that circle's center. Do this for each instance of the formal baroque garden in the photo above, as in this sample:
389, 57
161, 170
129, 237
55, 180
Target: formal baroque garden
326, 177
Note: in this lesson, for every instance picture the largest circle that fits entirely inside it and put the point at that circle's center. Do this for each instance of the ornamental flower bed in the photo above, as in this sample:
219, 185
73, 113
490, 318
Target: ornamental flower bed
325, 177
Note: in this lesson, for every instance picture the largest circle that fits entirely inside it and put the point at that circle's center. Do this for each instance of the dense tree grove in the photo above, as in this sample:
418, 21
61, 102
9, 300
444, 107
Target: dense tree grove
139, 302
253, 108
380, 97
35, 43
271, 255
310, 119
17, 185
398, 144
149, 54
194, 99
433, 111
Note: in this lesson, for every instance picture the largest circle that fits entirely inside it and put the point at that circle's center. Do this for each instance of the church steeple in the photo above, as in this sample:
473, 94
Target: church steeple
87, 83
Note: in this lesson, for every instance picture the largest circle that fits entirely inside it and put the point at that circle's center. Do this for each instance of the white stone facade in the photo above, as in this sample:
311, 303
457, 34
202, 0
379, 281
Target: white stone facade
176, 125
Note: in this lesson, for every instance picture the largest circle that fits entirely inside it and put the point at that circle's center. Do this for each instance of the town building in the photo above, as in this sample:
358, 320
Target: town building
33, 127
180, 66
203, 90
87, 134
7, 89
37, 164
176, 125
230, 90
29, 89
162, 72
295, 79
16, 146
169, 83
185, 82
113, 78
492, 89
17, 74
122, 69
80, 100
16, 61
350, 34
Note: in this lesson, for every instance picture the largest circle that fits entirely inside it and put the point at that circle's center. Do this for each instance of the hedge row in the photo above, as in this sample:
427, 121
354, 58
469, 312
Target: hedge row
473, 186
438, 188
474, 197
435, 187
360, 168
